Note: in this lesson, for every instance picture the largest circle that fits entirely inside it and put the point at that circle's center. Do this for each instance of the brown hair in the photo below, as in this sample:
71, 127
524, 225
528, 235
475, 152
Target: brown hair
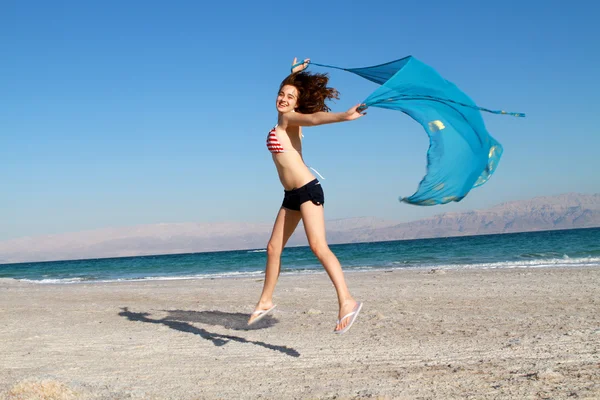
312, 91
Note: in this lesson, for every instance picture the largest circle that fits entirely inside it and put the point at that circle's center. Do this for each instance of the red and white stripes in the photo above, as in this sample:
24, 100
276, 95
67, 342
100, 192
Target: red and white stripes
273, 143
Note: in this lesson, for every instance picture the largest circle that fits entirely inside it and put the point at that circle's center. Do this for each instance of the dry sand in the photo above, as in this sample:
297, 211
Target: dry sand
474, 334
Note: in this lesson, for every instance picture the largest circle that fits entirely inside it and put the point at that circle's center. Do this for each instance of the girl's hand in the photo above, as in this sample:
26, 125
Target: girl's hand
356, 112
300, 67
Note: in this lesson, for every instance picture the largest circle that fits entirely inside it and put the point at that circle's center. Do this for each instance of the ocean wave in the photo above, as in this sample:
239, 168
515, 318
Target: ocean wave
537, 263
550, 254
556, 262
57, 280
234, 274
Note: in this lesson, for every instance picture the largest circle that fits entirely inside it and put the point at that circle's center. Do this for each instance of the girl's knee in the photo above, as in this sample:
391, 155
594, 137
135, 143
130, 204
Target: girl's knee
320, 249
273, 250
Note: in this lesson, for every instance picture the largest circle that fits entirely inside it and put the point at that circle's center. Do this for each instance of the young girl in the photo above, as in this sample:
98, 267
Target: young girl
301, 102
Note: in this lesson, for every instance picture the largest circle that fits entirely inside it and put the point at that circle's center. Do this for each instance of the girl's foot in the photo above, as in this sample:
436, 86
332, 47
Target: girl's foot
261, 310
348, 313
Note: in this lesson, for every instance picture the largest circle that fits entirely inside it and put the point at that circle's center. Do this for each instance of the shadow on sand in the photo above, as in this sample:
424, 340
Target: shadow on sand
235, 321
180, 320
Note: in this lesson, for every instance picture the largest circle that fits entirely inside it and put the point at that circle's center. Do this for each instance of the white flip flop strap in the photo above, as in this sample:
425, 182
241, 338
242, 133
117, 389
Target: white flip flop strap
260, 312
346, 316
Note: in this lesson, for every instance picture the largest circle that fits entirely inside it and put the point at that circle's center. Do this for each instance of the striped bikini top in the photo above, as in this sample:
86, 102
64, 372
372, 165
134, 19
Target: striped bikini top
273, 143
275, 147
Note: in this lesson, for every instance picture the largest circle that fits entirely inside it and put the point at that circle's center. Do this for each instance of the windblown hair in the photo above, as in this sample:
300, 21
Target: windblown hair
312, 91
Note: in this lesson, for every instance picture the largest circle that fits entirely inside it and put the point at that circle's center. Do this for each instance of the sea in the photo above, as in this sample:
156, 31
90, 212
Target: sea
559, 248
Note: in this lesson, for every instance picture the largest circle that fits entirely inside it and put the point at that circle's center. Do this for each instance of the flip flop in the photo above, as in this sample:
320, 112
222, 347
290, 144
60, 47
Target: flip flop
353, 316
261, 314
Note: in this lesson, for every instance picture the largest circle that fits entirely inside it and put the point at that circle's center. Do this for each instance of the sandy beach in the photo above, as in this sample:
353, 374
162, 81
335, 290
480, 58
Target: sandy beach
422, 334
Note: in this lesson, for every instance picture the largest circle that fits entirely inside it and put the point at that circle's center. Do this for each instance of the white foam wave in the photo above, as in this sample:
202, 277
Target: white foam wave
235, 274
49, 281
565, 262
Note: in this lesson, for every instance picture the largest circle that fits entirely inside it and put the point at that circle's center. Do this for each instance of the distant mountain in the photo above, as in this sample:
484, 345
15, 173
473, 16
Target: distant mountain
541, 213
566, 211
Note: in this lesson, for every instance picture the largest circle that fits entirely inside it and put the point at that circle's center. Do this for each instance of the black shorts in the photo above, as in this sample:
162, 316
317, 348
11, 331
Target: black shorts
311, 191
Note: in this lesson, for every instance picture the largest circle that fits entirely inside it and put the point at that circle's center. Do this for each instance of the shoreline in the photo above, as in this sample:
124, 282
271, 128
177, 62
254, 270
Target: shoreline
584, 262
458, 333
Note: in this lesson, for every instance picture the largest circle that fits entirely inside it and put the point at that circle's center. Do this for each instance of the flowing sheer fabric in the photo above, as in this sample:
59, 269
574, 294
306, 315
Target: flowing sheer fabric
462, 154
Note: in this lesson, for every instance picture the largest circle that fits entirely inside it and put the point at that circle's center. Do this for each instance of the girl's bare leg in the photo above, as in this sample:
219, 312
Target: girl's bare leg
314, 225
285, 224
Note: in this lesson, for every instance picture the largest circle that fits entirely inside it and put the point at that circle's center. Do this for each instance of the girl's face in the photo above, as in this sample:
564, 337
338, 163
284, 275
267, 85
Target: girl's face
287, 99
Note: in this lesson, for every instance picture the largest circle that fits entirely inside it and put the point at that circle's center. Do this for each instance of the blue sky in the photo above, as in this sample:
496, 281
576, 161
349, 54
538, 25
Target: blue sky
120, 113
